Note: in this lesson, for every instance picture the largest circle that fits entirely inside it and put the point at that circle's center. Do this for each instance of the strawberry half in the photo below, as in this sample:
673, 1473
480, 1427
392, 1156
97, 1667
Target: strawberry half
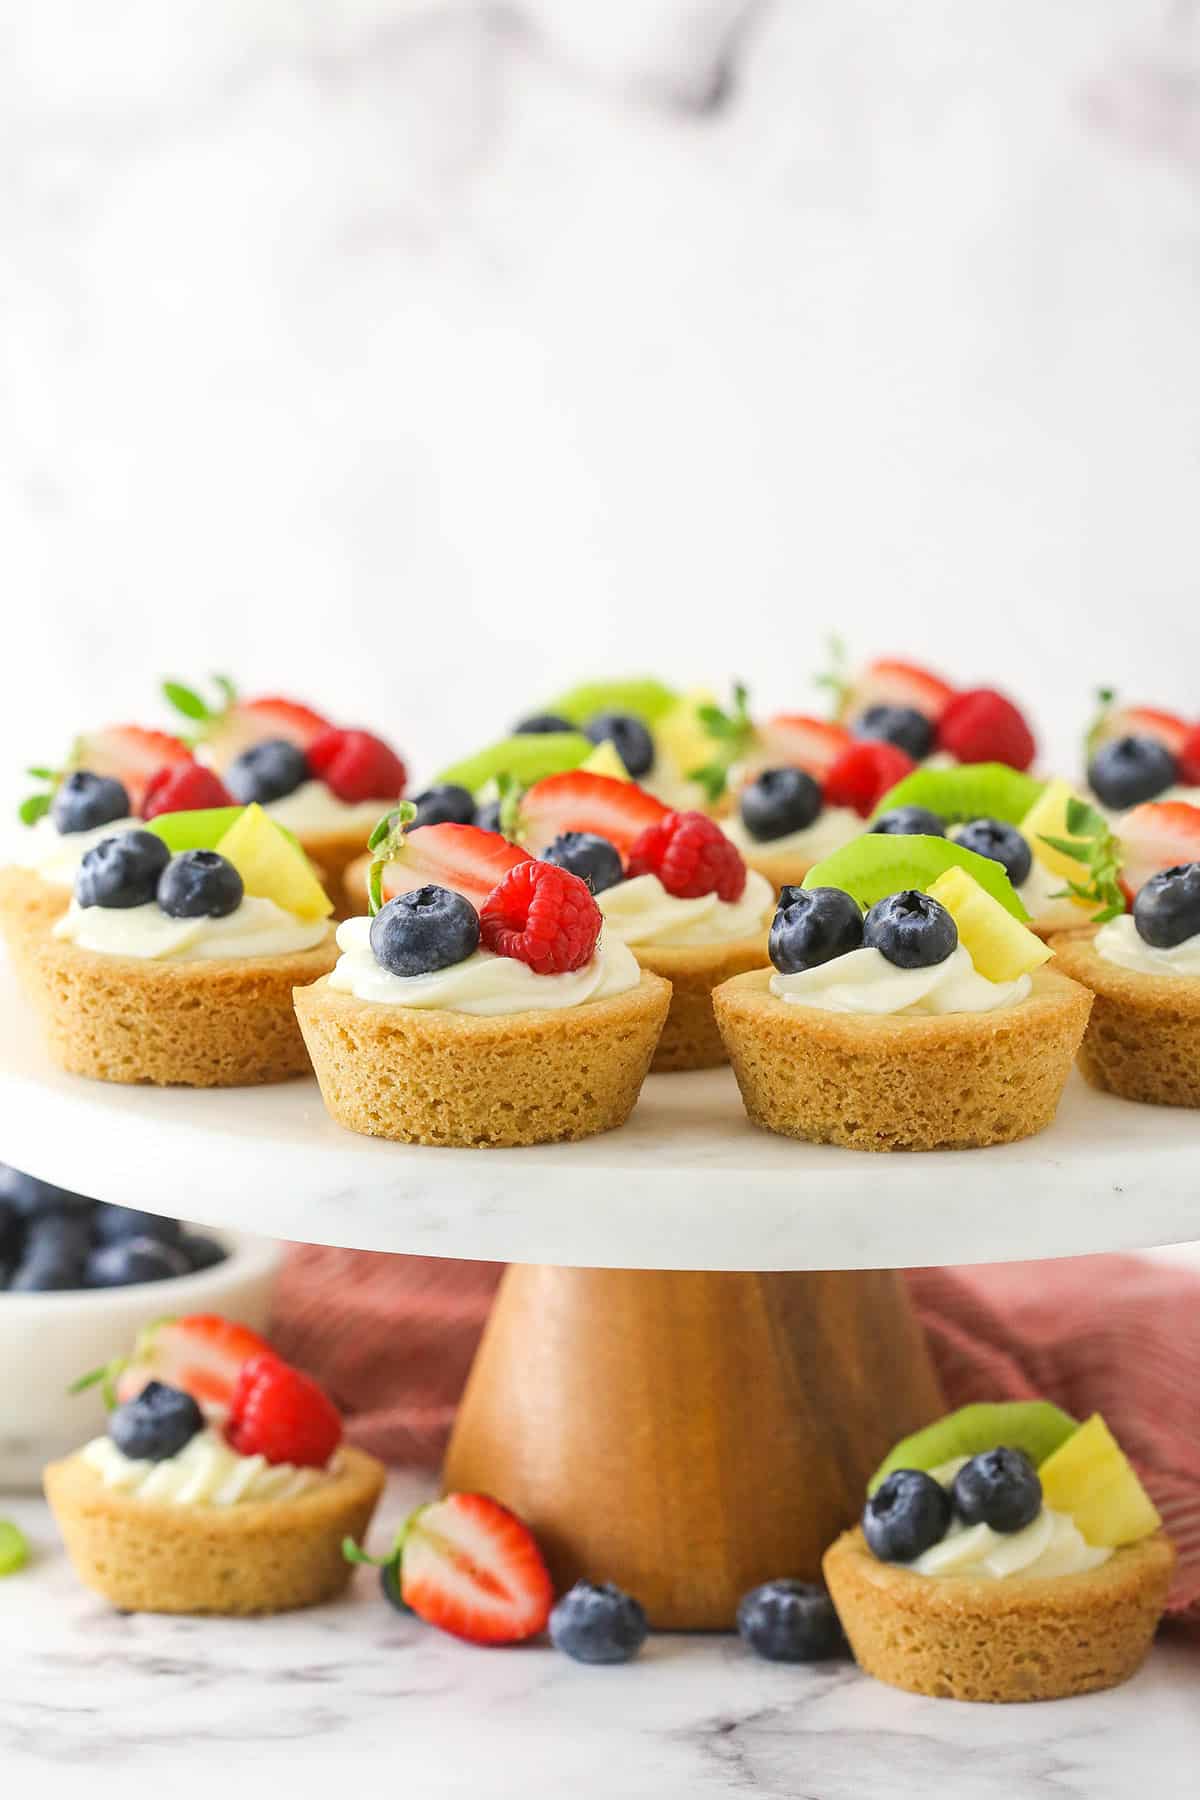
202, 1353
578, 801
1157, 835
470, 1567
132, 754
797, 741
1142, 721
887, 681
465, 858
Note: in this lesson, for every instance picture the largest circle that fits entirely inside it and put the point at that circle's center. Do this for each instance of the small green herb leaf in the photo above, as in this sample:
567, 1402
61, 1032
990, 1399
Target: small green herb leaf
510, 793
1105, 699
385, 842
35, 807
42, 774
836, 679
1091, 843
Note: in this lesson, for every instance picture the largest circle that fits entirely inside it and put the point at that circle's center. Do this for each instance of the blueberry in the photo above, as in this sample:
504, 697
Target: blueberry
812, 926
906, 1515
122, 871
112, 1223
910, 930
780, 801
54, 1254
85, 801
910, 821
429, 928
629, 737
199, 884
488, 816
1000, 1488
539, 723
592, 858
1167, 907
790, 1621
156, 1424
10, 1229
598, 1623
135, 1259
445, 805
202, 1251
999, 843
902, 726
29, 1197
267, 771
1128, 770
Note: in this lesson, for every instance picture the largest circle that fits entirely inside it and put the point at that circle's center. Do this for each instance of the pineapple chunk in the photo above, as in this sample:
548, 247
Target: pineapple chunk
683, 735
604, 760
1089, 1478
273, 867
1047, 817
1000, 947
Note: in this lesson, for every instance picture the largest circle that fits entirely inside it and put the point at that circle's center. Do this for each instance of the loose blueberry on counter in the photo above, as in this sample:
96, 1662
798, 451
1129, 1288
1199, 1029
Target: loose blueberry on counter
778, 802
910, 930
903, 726
999, 843
199, 884
122, 871
112, 1223
790, 1621
538, 724
488, 816
202, 1251
905, 1516
1129, 770
156, 1424
268, 771
135, 1259
54, 1255
427, 929
445, 805
629, 737
85, 801
999, 1488
592, 858
812, 926
1167, 909
598, 1623
910, 821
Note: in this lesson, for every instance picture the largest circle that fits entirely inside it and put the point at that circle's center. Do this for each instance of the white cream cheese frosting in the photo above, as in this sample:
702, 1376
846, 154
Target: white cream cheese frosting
314, 810
56, 855
1120, 942
206, 1472
864, 981
833, 827
484, 984
641, 913
1050, 1545
256, 927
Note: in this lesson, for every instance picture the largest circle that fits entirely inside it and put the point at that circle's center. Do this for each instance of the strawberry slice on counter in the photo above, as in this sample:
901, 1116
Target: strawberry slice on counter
1159, 834
471, 861
131, 754
579, 801
796, 740
202, 1353
889, 682
470, 1567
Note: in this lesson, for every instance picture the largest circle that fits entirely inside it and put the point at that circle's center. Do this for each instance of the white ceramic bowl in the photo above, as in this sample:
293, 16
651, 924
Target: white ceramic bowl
47, 1340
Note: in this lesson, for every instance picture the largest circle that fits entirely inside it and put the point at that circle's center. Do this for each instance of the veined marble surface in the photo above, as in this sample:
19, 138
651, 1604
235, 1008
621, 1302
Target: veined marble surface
358, 1699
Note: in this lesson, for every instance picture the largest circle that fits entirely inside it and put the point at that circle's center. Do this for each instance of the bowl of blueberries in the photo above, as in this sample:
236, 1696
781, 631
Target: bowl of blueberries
79, 1278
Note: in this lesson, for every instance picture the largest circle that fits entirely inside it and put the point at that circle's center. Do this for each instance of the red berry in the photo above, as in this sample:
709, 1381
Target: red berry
864, 773
582, 801
980, 725
541, 915
1159, 834
201, 1353
356, 765
281, 1414
799, 739
890, 682
130, 753
184, 787
1189, 758
470, 1567
465, 858
691, 856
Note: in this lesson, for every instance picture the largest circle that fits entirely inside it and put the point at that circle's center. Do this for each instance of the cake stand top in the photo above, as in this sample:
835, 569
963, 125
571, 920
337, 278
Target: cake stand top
687, 1184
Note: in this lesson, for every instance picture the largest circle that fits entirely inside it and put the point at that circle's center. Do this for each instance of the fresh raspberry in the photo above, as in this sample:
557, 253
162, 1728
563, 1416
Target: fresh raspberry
281, 1414
1189, 758
356, 765
184, 787
691, 856
541, 915
864, 773
980, 725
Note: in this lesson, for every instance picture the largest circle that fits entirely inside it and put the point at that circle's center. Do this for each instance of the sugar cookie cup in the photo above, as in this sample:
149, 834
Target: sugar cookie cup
1143, 1036
691, 1037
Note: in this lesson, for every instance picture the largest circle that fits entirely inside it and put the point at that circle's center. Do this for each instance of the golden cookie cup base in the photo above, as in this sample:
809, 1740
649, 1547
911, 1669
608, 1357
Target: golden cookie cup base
1143, 1037
690, 1038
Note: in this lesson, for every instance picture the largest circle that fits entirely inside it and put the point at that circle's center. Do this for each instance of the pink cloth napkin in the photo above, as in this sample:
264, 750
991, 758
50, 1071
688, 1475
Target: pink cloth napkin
392, 1338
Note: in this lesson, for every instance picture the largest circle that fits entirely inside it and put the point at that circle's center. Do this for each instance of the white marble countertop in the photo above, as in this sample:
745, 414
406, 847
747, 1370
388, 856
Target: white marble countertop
355, 1694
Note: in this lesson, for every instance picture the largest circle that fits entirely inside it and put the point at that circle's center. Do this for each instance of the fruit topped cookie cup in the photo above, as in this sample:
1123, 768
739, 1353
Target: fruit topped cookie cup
908, 1007
481, 1004
1137, 754
222, 1484
1005, 1553
176, 959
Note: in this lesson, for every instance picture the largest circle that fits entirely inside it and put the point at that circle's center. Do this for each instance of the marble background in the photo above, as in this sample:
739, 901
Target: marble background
419, 356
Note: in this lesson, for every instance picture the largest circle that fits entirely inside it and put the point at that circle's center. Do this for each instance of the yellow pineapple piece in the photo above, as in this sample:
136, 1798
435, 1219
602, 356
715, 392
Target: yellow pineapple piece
1047, 817
681, 733
273, 866
604, 760
1001, 948
1089, 1479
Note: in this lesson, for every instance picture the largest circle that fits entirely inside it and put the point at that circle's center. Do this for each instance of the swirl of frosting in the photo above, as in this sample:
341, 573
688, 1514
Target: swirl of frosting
1051, 1544
56, 855
313, 809
864, 981
641, 912
833, 827
256, 927
1120, 942
206, 1472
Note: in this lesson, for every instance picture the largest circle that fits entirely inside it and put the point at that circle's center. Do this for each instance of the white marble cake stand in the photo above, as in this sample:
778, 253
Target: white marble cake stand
661, 1393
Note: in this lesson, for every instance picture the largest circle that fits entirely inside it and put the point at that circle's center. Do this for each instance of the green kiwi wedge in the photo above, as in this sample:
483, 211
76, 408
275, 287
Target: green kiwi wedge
1034, 1426
528, 757
878, 864
202, 829
972, 791
647, 699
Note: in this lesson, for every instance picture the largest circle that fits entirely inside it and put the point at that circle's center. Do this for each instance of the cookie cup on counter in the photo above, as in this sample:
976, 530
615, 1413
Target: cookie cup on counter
955, 1081
431, 1076
1024, 1638
1143, 1037
690, 1038
259, 1556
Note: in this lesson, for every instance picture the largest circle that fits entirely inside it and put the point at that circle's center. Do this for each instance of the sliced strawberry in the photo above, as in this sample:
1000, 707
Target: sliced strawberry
981, 725
184, 787
470, 1567
864, 773
798, 741
130, 753
578, 801
1157, 835
1188, 756
1142, 721
887, 681
464, 857
202, 1353
247, 722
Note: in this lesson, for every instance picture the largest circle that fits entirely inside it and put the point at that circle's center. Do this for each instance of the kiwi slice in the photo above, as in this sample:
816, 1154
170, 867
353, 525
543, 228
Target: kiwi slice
201, 829
644, 697
528, 758
974, 791
1034, 1426
878, 864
